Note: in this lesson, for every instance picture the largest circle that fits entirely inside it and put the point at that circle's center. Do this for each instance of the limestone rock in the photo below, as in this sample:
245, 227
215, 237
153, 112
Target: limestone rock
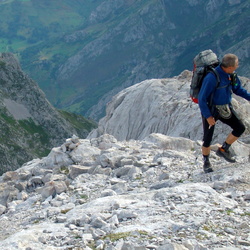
162, 106
76, 170
146, 194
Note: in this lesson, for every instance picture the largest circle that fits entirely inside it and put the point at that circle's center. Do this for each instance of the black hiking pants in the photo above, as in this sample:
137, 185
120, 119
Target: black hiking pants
234, 122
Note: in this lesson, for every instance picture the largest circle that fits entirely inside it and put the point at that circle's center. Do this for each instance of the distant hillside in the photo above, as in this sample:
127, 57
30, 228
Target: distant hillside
82, 53
30, 126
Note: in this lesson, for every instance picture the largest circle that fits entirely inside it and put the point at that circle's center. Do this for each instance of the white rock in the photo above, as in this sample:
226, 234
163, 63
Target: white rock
22, 196
2, 209
160, 192
247, 195
57, 158
98, 222
76, 170
87, 237
160, 106
108, 192
167, 142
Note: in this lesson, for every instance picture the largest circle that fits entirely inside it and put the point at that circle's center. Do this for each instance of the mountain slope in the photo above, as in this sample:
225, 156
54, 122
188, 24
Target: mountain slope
29, 124
148, 40
108, 194
86, 51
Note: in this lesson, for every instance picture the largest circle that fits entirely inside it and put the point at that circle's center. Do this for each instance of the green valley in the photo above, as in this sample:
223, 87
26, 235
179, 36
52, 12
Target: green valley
82, 52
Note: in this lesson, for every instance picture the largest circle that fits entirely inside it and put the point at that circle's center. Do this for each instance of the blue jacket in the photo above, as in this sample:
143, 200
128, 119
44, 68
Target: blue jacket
222, 94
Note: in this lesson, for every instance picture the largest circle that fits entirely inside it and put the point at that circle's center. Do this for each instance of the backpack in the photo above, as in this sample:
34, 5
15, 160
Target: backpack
204, 62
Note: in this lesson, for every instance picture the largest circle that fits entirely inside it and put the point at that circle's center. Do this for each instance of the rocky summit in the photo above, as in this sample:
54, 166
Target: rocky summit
163, 106
102, 193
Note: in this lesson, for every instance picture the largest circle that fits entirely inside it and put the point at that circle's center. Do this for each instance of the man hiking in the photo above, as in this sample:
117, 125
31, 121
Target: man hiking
220, 108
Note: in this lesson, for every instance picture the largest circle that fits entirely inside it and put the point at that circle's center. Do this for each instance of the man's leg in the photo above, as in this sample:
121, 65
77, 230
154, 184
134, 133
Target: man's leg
207, 138
238, 129
206, 163
206, 150
231, 139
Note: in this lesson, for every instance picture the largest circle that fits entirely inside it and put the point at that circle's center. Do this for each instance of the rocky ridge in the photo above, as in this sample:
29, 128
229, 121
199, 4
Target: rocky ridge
102, 193
163, 106
30, 125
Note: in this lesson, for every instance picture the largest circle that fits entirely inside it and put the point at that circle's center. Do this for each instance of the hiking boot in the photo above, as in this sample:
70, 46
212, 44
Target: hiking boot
225, 154
207, 167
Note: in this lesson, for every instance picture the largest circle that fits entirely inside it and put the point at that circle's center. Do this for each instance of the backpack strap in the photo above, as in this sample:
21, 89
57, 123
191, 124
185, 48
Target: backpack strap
215, 72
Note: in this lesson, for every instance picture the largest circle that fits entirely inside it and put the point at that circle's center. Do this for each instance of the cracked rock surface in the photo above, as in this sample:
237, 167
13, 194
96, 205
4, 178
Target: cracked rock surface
102, 193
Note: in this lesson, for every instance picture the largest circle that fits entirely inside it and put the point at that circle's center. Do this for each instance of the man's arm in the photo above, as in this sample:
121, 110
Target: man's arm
240, 91
207, 88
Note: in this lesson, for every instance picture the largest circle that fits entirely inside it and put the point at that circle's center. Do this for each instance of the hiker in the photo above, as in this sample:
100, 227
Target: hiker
221, 108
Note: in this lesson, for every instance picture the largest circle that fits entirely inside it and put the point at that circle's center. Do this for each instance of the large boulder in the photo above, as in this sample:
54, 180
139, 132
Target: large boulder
162, 106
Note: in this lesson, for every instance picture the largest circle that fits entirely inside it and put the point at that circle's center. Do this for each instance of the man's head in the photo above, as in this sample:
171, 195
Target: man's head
229, 63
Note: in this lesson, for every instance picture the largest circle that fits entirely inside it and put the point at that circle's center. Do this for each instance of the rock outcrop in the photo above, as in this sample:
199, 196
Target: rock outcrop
162, 106
108, 194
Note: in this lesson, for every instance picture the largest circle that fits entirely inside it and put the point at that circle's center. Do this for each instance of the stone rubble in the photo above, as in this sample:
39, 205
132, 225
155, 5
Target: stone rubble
102, 193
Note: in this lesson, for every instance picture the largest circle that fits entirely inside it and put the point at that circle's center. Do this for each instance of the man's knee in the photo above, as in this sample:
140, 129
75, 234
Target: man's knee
206, 144
240, 130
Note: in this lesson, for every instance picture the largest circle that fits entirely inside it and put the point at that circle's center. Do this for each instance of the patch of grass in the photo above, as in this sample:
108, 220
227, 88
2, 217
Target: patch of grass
32, 128
201, 237
180, 181
245, 214
79, 122
64, 170
2, 65
64, 211
92, 245
123, 235
36, 221
8, 119
84, 196
229, 211
117, 236
206, 228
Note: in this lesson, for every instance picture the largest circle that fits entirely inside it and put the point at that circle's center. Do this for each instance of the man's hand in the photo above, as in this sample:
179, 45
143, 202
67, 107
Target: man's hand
211, 121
